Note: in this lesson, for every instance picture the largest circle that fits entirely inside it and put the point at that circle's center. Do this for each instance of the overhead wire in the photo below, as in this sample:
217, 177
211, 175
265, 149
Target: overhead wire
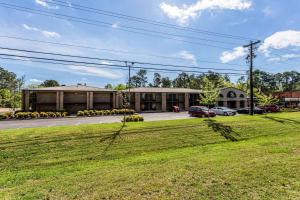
112, 50
70, 62
117, 60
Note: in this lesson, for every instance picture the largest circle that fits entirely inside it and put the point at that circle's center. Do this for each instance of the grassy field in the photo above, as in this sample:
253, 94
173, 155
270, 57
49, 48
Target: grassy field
222, 158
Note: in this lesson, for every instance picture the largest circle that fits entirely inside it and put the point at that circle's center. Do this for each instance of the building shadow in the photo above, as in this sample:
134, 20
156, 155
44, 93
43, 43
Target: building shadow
226, 131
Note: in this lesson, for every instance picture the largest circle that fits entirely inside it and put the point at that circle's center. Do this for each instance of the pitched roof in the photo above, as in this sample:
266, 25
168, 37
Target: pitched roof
72, 88
161, 90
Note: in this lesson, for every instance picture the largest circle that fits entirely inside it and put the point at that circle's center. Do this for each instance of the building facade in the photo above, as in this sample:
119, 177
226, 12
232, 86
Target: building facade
68, 98
288, 99
74, 98
232, 98
162, 99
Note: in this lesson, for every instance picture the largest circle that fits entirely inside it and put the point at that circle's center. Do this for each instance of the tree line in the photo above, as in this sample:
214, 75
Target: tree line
264, 82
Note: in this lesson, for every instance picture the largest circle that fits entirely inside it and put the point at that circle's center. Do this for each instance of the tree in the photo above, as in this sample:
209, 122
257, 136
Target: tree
49, 83
210, 93
264, 99
182, 81
157, 80
10, 86
120, 87
4, 98
140, 79
108, 86
166, 82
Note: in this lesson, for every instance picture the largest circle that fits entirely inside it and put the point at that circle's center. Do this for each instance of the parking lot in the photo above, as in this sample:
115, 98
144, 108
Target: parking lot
16, 124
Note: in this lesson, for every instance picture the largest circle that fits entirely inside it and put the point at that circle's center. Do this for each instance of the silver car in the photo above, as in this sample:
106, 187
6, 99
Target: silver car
224, 111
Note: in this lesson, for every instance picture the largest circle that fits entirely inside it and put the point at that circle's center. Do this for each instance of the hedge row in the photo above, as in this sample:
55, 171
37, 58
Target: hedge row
33, 115
90, 113
134, 118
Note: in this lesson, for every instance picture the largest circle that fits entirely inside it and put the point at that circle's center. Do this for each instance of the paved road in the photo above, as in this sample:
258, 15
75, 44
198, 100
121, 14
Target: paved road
16, 124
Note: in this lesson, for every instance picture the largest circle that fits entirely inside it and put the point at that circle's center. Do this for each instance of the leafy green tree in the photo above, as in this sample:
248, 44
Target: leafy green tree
157, 80
4, 98
264, 99
49, 83
210, 92
166, 82
140, 79
10, 86
182, 81
120, 87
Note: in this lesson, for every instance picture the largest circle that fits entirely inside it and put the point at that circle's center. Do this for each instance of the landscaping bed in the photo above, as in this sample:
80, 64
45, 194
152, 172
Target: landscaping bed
91, 113
32, 115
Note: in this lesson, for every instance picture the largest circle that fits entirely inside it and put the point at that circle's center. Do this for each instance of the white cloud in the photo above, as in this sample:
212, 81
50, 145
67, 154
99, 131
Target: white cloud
184, 13
281, 40
45, 33
228, 56
188, 56
35, 80
283, 57
93, 71
45, 4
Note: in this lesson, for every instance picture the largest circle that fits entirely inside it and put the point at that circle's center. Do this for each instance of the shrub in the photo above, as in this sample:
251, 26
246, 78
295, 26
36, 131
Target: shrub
58, 114
44, 115
80, 113
89, 113
64, 114
134, 118
34, 115
51, 114
23, 115
7, 115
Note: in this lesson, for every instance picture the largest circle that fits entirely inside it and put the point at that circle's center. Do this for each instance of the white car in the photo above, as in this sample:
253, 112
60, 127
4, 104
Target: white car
224, 111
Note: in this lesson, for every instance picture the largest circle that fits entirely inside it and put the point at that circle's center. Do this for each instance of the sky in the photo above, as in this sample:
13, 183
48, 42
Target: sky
274, 22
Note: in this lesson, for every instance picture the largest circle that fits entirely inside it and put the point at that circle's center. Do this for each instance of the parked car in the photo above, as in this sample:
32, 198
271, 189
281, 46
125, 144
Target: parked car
224, 111
271, 108
247, 110
201, 111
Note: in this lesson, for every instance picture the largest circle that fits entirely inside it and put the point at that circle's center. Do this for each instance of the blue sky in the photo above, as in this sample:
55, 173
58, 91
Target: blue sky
273, 22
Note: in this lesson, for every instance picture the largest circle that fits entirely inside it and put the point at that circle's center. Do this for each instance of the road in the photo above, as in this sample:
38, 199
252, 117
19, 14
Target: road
17, 124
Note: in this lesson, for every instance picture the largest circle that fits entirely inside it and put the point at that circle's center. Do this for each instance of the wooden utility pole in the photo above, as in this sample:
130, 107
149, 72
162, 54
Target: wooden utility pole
250, 57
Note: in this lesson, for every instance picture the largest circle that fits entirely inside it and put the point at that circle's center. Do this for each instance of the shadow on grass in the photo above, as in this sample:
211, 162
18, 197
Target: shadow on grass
282, 120
112, 138
46, 140
226, 131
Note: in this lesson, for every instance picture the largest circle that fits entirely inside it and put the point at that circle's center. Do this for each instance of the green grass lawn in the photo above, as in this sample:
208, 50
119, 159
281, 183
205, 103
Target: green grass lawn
222, 158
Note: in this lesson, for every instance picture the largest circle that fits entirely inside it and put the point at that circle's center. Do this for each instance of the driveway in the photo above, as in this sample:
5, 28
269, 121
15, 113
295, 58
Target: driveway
16, 124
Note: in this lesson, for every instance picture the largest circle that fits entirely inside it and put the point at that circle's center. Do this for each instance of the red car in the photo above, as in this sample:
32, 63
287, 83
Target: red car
201, 111
271, 108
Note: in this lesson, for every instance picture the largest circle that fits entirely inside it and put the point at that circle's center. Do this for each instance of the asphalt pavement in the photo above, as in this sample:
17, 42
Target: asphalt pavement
17, 124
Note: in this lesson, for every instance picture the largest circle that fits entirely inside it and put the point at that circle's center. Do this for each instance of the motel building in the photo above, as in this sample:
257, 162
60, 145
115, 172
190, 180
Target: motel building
74, 98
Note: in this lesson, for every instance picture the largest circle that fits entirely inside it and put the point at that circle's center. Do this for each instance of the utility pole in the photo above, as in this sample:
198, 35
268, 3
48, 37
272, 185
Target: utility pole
250, 57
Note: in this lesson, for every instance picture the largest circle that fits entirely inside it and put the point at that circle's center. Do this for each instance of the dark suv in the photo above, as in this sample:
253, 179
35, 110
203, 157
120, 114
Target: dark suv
201, 111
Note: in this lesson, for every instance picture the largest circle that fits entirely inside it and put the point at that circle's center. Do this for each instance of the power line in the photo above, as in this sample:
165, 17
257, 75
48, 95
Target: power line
103, 67
143, 20
135, 30
70, 62
115, 60
111, 50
